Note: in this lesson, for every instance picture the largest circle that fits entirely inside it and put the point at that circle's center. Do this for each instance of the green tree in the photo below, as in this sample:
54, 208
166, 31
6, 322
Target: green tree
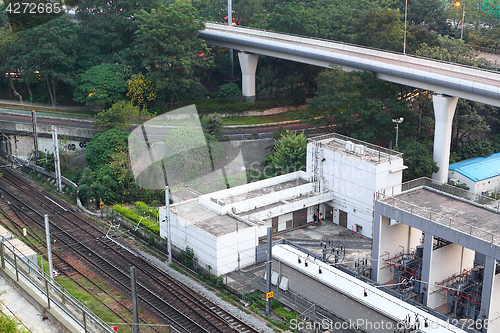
121, 116
172, 53
46, 53
427, 13
418, 158
187, 153
229, 91
213, 10
212, 125
103, 145
475, 148
452, 50
106, 31
7, 40
101, 84
357, 104
24, 18
289, 153
381, 30
141, 91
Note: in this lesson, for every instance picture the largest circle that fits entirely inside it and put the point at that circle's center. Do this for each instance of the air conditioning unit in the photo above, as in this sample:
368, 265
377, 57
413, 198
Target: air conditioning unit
359, 149
393, 222
349, 145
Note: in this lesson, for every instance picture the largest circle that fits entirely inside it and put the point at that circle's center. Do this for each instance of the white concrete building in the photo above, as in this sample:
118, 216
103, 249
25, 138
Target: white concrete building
224, 227
480, 174
354, 170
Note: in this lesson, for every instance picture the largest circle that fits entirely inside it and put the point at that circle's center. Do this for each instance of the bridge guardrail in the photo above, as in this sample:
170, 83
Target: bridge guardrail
363, 47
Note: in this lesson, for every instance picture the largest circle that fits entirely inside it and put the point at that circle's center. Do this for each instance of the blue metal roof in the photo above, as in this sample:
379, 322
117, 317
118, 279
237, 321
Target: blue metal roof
479, 168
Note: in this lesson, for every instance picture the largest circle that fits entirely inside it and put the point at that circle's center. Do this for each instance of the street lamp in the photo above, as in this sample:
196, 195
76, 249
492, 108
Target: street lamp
463, 17
397, 121
406, 12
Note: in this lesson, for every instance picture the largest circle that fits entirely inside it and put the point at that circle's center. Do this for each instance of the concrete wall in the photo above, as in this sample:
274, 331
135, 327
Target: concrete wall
494, 316
446, 261
229, 246
354, 181
21, 137
329, 298
490, 184
394, 240
220, 253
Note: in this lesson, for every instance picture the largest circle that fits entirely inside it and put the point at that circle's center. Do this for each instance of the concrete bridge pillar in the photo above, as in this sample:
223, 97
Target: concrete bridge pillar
444, 110
248, 64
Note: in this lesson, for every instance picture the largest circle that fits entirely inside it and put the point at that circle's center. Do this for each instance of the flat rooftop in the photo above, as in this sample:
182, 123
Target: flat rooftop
196, 214
479, 168
265, 190
362, 150
454, 212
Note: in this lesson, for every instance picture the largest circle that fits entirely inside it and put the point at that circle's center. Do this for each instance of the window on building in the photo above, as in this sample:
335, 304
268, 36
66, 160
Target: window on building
359, 229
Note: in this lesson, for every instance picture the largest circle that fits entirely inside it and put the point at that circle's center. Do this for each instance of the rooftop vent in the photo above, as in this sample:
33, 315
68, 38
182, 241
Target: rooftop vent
349, 145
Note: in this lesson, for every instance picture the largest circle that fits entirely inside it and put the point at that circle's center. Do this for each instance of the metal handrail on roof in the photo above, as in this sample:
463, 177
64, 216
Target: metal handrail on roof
375, 148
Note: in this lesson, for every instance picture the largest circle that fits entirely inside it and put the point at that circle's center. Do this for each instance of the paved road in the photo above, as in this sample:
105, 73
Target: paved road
233, 133
46, 121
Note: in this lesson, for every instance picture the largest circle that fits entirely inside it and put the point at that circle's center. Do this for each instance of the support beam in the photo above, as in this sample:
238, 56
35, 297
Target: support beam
488, 278
248, 64
377, 236
444, 110
426, 267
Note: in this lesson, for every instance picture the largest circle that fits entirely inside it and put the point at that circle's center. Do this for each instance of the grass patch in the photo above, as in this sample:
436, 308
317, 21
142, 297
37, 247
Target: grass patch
91, 302
10, 325
255, 120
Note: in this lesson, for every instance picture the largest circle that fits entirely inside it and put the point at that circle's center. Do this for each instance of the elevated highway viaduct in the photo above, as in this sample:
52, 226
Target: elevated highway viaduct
448, 81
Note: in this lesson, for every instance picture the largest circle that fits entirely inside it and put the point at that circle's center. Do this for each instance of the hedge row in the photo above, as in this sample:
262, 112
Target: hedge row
136, 217
143, 208
217, 105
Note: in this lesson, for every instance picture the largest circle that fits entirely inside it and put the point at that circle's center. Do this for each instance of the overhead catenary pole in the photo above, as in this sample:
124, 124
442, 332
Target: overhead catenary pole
57, 164
167, 218
268, 268
230, 23
135, 310
35, 136
49, 251
406, 14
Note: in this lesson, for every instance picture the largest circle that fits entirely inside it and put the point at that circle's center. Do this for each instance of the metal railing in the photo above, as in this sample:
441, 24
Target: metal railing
373, 149
224, 26
388, 197
56, 296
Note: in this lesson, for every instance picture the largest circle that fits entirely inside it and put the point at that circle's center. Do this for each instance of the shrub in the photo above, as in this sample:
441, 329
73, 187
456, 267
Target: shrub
229, 91
136, 217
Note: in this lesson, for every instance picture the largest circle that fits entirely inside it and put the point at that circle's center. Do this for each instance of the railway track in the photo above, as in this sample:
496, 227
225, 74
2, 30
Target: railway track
164, 297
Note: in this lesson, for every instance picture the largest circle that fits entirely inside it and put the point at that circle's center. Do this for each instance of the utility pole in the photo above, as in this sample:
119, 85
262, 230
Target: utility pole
268, 269
135, 310
35, 136
230, 23
167, 217
49, 251
57, 164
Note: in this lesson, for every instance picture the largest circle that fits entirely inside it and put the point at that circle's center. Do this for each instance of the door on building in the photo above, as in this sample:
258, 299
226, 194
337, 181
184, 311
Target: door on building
275, 225
300, 217
328, 213
342, 218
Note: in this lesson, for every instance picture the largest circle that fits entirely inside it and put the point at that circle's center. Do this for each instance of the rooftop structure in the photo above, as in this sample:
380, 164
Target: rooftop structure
223, 228
354, 170
480, 174
446, 240
348, 297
